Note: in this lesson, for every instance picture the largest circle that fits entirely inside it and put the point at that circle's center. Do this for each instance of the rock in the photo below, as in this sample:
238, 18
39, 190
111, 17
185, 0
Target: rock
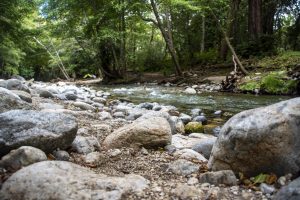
193, 181
196, 112
146, 105
85, 145
225, 177
260, 140
114, 152
185, 118
99, 100
22, 157
61, 155
204, 147
119, 115
183, 167
104, 115
93, 158
170, 149
154, 132
15, 84
9, 101
43, 130
189, 154
64, 180
216, 131
25, 96
267, 189
194, 127
218, 112
71, 96
18, 77
187, 192
46, 94
289, 192
184, 142
177, 126
83, 106
190, 91
201, 119
51, 106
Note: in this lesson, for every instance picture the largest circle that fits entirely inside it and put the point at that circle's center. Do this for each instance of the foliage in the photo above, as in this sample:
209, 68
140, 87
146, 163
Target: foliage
286, 59
194, 127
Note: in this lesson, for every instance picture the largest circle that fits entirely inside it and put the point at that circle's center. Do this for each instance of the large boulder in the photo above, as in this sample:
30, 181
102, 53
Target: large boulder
149, 133
289, 192
62, 180
260, 140
14, 84
9, 101
44, 130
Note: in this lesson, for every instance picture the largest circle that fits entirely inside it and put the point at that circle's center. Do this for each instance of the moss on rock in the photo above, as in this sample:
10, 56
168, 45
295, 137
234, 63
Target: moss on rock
194, 127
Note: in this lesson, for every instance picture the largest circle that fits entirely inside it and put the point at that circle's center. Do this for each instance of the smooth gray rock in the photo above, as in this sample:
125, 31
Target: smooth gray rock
84, 106
43, 130
15, 84
267, 189
205, 147
10, 101
61, 155
149, 133
189, 154
201, 119
21, 157
225, 177
71, 96
289, 192
260, 140
185, 118
18, 77
61, 180
187, 192
46, 94
99, 100
196, 112
119, 115
85, 145
183, 167
93, 158
177, 126
25, 96
104, 115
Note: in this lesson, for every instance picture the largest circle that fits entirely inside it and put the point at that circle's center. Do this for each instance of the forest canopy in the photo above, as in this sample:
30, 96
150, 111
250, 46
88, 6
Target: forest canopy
46, 39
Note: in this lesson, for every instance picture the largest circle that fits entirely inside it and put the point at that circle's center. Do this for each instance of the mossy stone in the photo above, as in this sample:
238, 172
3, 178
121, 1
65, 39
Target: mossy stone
194, 127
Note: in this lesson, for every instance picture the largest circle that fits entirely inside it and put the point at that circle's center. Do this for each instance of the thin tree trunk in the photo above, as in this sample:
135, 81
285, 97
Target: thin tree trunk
60, 65
168, 40
203, 35
245, 72
123, 38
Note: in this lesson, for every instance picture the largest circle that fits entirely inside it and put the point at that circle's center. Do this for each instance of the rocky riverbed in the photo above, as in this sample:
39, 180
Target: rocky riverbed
62, 141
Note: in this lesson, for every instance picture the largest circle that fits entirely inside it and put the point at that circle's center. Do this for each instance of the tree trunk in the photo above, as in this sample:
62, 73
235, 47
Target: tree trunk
255, 18
269, 11
168, 39
123, 65
203, 35
232, 27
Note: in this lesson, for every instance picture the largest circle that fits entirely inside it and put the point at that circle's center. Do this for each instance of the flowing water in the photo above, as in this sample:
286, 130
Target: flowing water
229, 103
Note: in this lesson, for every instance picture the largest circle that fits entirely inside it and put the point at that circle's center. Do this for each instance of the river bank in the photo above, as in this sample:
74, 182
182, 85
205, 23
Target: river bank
128, 149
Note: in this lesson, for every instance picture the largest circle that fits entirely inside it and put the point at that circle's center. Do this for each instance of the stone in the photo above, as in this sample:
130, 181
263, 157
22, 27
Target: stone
43, 130
51, 106
61, 155
114, 152
104, 115
190, 91
183, 167
71, 96
218, 112
177, 126
194, 127
202, 119
25, 96
260, 140
216, 131
189, 154
187, 192
46, 94
146, 105
225, 177
62, 180
196, 112
18, 77
185, 142
119, 115
99, 100
21, 157
185, 118
204, 147
9, 101
83, 106
289, 192
15, 84
85, 145
267, 189
93, 158
149, 133
170, 149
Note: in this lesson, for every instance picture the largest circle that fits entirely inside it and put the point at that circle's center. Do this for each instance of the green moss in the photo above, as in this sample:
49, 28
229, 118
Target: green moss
250, 86
277, 83
194, 127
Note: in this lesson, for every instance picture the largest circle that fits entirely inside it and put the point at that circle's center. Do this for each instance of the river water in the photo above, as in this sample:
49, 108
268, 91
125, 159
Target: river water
229, 103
